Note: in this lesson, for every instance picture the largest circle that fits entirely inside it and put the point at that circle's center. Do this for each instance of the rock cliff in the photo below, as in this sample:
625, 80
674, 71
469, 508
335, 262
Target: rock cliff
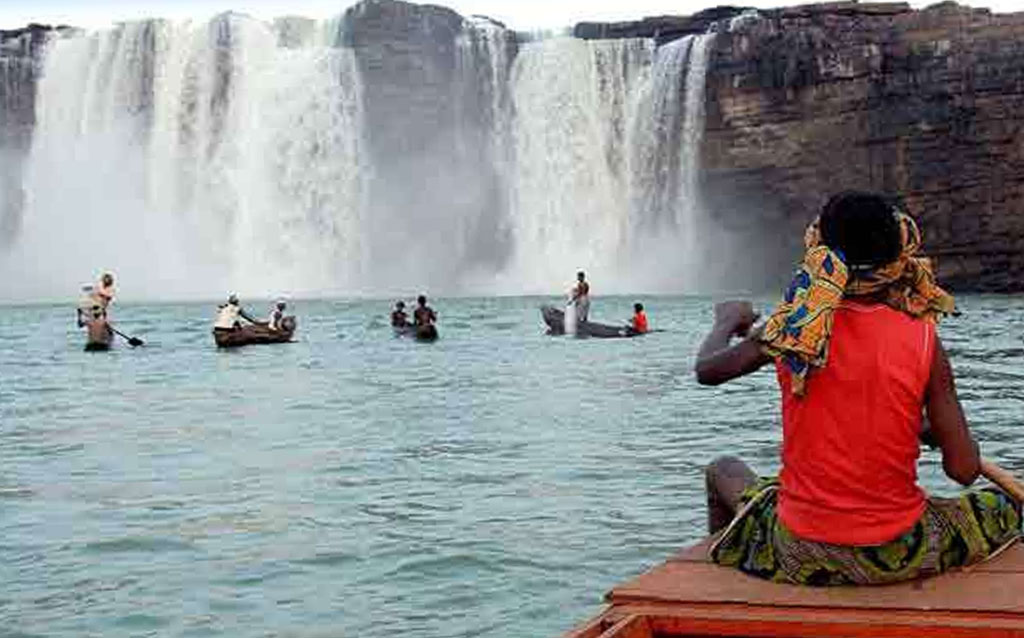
928, 104
433, 83
925, 104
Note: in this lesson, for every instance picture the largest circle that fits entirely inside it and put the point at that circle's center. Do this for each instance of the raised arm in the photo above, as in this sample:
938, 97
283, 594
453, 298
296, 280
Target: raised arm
960, 457
717, 360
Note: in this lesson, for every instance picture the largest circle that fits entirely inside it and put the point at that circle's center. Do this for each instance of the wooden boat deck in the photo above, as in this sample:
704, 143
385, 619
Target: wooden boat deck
689, 597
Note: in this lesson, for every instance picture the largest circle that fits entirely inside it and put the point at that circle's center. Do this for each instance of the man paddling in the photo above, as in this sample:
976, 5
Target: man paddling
858, 360
229, 316
99, 330
424, 315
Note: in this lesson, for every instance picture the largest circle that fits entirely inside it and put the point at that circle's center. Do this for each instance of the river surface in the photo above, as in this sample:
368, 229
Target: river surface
495, 483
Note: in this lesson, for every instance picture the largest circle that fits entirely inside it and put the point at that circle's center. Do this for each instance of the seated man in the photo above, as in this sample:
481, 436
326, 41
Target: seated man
276, 316
858, 361
229, 314
399, 319
638, 323
424, 315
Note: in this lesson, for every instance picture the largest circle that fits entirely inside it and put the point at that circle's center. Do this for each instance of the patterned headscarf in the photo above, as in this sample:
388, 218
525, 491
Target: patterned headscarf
800, 328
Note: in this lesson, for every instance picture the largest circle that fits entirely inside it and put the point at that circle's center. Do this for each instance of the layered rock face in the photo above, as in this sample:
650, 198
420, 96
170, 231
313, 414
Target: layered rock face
435, 91
927, 104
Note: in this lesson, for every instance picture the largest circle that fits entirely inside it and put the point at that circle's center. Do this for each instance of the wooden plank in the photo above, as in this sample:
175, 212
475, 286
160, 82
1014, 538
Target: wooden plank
693, 582
671, 621
632, 626
800, 627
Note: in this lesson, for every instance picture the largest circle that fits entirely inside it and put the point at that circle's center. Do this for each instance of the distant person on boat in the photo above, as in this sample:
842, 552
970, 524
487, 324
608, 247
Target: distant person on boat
580, 297
229, 315
638, 323
276, 316
399, 318
424, 315
104, 291
858, 360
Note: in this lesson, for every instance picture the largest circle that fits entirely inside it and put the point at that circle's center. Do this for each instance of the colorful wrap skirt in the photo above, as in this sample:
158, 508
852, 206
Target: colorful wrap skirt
951, 533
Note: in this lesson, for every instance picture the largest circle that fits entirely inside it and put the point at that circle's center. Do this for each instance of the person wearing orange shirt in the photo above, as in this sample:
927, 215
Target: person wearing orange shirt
638, 323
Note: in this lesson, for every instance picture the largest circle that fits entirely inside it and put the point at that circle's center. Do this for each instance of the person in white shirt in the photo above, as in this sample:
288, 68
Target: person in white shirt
229, 315
276, 316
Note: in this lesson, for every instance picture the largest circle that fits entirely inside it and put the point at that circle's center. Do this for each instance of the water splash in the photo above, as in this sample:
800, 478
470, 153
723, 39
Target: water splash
198, 157
572, 104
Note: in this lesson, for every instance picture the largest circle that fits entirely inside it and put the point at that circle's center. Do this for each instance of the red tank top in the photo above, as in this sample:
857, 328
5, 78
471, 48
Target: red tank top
850, 445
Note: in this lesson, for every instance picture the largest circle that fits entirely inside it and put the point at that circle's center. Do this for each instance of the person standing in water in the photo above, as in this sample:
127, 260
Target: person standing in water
230, 314
580, 297
399, 318
424, 315
859, 362
99, 330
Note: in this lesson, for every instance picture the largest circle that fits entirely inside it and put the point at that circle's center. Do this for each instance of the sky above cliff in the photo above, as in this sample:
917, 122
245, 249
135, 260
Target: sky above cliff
521, 14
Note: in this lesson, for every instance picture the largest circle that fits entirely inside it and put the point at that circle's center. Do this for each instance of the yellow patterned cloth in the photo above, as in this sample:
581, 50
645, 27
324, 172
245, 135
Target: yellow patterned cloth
800, 328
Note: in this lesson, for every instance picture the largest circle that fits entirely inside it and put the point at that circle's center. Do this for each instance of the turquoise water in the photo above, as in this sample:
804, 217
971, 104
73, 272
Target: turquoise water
495, 483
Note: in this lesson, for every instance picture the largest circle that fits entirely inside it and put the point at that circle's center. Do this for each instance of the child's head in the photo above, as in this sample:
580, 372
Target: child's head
638, 307
863, 227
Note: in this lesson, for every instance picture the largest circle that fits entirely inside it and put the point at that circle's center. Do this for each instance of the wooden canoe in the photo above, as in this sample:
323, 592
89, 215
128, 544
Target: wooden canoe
555, 320
255, 334
689, 597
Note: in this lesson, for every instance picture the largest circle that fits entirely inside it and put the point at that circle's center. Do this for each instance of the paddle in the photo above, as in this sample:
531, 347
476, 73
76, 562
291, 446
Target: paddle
134, 342
1008, 482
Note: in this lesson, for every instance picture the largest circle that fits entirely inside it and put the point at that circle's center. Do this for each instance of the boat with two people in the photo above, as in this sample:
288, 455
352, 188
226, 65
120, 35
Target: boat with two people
229, 332
555, 320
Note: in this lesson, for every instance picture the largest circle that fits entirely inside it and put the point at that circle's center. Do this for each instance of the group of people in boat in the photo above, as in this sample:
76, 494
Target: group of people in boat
230, 316
864, 379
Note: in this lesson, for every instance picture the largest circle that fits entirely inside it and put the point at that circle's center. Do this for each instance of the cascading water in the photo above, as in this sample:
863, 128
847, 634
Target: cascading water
301, 156
570, 187
198, 158
667, 129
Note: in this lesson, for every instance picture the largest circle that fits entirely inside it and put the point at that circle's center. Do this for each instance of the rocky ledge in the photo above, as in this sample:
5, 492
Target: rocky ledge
926, 104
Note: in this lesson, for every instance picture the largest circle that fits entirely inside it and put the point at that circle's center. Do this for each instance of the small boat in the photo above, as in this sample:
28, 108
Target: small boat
555, 320
257, 333
688, 596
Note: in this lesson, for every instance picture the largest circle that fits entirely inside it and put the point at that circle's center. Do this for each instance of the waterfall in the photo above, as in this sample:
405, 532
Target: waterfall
668, 130
570, 186
317, 157
198, 157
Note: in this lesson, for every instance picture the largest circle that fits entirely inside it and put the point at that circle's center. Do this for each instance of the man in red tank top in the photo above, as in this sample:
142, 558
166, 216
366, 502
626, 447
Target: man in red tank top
858, 362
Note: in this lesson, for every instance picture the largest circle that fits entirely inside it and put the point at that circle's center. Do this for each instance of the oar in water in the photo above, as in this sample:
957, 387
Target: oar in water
134, 342
1008, 482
